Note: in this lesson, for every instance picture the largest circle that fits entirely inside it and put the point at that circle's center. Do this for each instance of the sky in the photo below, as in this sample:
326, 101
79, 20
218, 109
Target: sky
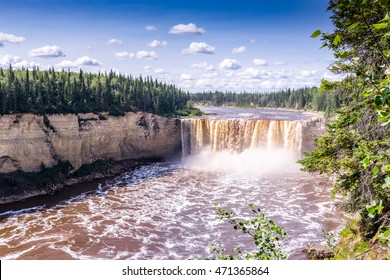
252, 46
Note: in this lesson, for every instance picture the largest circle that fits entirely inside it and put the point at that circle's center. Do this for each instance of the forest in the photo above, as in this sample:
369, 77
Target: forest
49, 92
308, 98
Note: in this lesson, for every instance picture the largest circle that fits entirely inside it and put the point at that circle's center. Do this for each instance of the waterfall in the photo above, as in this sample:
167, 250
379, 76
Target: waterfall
238, 135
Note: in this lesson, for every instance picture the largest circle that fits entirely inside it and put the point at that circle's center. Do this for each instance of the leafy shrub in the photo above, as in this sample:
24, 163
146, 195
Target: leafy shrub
266, 235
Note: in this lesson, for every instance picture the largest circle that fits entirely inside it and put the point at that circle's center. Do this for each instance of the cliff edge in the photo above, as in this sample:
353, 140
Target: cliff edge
28, 141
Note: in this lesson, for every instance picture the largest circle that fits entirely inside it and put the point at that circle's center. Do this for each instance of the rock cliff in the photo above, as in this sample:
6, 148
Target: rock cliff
311, 130
28, 141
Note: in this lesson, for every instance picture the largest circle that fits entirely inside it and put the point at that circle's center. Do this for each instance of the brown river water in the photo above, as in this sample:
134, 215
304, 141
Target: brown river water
166, 210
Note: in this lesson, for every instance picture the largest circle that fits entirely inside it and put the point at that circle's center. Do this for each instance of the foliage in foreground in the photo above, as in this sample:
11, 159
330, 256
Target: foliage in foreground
356, 147
267, 237
353, 245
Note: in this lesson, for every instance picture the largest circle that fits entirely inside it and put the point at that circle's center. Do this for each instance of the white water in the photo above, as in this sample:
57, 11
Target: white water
166, 210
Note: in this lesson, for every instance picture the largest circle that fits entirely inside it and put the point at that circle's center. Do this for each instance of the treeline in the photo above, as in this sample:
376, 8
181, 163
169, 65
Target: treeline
53, 92
47, 92
304, 98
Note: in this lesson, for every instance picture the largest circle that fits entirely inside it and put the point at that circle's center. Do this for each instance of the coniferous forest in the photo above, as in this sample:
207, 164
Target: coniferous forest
48, 92
308, 98
53, 92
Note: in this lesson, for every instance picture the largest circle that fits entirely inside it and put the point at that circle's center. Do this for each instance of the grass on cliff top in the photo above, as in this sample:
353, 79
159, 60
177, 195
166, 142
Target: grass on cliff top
189, 112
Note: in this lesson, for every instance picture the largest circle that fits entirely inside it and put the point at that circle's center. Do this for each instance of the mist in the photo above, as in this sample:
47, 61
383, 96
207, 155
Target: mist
254, 161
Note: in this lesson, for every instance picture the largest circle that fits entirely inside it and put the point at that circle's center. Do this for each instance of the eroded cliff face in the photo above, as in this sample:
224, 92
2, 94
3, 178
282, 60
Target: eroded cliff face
311, 130
27, 141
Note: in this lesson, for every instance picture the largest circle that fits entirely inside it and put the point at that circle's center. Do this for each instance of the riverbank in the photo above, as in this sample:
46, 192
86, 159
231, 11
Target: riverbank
21, 185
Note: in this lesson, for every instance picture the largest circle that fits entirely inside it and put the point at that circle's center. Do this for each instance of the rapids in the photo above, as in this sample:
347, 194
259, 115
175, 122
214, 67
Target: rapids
166, 210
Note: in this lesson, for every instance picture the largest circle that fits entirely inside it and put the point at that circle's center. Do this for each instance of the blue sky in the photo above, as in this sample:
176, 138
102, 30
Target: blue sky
199, 45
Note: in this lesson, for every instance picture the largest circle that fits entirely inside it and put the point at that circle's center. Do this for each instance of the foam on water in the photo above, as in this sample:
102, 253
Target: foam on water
164, 211
167, 210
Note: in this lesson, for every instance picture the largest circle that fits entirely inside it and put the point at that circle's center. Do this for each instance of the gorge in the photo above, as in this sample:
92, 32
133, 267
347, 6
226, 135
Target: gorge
165, 210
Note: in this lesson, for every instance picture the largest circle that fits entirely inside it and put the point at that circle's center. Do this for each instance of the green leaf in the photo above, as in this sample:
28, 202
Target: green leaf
353, 26
387, 52
366, 162
378, 100
384, 3
387, 183
385, 123
356, 58
316, 34
387, 17
370, 210
379, 208
324, 45
337, 40
344, 54
382, 25
375, 171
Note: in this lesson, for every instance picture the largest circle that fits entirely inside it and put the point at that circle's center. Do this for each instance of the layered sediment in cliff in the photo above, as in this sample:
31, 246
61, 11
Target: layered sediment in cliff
28, 141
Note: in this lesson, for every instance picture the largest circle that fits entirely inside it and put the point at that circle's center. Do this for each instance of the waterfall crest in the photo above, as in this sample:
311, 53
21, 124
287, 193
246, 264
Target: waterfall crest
238, 135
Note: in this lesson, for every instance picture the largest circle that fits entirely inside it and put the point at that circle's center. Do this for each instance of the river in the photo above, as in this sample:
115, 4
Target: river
167, 210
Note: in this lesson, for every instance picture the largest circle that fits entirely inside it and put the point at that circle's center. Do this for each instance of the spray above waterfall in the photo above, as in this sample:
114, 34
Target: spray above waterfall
253, 146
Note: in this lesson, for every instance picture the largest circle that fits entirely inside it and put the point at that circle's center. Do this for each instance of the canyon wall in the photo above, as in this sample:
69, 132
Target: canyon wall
28, 141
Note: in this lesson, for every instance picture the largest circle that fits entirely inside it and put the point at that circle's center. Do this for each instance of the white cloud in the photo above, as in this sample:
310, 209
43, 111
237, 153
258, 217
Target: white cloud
229, 64
139, 55
210, 75
199, 47
114, 41
283, 74
199, 65
306, 73
16, 62
260, 62
161, 71
6, 60
47, 51
203, 65
150, 28
238, 50
10, 38
186, 77
182, 29
146, 55
205, 83
157, 43
252, 41
253, 73
278, 63
124, 55
81, 61
147, 68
